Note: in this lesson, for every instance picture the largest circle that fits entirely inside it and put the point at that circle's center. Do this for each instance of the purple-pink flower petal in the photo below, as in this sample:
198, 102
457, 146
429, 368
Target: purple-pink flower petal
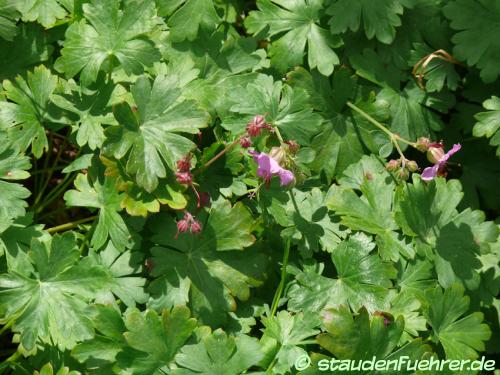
268, 167
286, 177
430, 172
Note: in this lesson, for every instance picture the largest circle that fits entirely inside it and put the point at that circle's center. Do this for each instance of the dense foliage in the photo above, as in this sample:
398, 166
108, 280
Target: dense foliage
222, 186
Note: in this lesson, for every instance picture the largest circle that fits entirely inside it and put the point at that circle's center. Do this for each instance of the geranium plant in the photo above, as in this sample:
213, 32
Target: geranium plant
228, 187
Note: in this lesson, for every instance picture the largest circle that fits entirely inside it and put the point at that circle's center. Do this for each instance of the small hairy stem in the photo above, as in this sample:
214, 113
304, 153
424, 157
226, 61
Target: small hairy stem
71, 224
278, 134
281, 285
393, 137
50, 171
216, 157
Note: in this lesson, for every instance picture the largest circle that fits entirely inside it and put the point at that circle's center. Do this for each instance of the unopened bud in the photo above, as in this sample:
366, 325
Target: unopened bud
184, 177
412, 165
278, 154
403, 174
183, 226
255, 126
195, 227
435, 154
422, 144
245, 142
392, 165
184, 164
293, 146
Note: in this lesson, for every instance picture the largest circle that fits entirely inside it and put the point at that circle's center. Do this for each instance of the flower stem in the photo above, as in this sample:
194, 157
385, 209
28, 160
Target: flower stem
71, 224
278, 134
393, 137
281, 285
216, 157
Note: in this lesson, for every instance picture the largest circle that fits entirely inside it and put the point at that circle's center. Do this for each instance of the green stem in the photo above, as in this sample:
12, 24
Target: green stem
278, 134
71, 224
50, 173
6, 326
281, 285
393, 137
55, 193
219, 155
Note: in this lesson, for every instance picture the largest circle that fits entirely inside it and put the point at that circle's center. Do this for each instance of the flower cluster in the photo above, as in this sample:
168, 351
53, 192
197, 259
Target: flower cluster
188, 223
435, 154
403, 167
253, 129
183, 174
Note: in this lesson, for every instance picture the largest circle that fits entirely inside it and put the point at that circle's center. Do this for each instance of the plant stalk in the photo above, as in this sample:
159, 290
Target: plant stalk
71, 224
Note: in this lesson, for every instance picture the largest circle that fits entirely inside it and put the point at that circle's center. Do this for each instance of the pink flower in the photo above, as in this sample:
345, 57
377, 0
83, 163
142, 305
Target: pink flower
439, 167
268, 167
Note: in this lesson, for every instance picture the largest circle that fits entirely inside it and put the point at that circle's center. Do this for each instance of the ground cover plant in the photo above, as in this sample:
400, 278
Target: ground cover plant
229, 187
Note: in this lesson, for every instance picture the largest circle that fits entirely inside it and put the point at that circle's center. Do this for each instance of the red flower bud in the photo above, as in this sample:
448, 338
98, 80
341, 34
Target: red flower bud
184, 164
184, 177
245, 142
195, 226
255, 126
183, 225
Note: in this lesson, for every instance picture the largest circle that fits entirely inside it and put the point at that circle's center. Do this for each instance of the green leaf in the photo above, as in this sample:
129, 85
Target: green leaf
219, 353
92, 110
192, 16
47, 369
362, 337
30, 110
48, 304
488, 123
224, 61
209, 269
461, 336
13, 166
409, 116
288, 332
148, 137
108, 33
299, 20
104, 197
30, 46
305, 219
125, 269
372, 211
438, 72
422, 208
158, 338
46, 12
8, 18
363, 279
359, 337
137, 343
380, 18
12, 202
284, 107
476, 22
